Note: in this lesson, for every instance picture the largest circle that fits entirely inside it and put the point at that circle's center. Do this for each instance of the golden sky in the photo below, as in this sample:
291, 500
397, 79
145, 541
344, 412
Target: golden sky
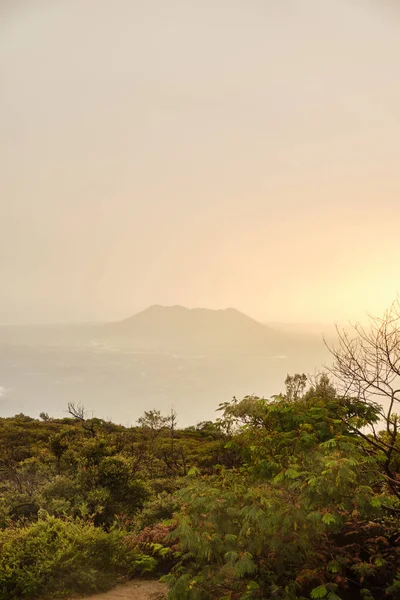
207, 153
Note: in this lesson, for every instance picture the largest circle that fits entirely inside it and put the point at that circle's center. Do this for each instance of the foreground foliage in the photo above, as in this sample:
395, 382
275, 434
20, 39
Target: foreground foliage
309, 514
80, 499
53, 556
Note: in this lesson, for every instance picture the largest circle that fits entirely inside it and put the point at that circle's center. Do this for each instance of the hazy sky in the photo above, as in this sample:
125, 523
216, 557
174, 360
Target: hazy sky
200, 152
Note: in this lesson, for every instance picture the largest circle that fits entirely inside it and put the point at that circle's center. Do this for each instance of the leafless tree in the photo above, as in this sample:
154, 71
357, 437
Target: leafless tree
79, 412
366, 365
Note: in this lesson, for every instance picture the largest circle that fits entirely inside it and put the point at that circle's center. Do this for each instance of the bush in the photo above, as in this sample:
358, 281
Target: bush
58, 557
159, 509
156, 541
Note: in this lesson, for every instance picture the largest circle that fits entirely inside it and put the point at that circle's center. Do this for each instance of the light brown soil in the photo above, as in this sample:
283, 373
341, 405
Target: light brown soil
134, 590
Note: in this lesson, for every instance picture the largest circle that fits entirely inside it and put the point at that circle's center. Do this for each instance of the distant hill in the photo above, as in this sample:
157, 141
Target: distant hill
177, 328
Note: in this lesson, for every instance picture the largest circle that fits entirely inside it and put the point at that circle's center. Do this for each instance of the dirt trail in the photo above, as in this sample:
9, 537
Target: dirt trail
134, 590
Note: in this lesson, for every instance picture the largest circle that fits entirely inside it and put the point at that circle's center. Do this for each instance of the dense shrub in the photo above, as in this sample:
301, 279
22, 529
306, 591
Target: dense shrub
308, 515
156, 541
58, 557
157, 510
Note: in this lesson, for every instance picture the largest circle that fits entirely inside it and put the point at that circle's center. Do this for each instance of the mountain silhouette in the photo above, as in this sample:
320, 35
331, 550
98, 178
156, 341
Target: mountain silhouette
179, 328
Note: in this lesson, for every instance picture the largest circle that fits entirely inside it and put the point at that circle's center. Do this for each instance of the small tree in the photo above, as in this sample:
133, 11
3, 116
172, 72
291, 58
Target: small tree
295, 386
153, 423
45, 417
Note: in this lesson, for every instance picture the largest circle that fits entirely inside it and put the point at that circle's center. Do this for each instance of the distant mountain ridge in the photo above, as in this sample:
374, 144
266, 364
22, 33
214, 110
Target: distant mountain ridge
178, 326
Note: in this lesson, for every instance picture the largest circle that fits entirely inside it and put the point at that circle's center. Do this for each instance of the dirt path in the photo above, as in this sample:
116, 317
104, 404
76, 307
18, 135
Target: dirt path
134, 590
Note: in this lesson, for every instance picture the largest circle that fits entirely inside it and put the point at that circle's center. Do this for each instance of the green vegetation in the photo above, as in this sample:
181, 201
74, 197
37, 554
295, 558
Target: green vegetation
83, 502
294, 497
55, 555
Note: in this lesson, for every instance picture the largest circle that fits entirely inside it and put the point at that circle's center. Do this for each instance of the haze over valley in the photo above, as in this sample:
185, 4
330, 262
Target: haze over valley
160, 358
